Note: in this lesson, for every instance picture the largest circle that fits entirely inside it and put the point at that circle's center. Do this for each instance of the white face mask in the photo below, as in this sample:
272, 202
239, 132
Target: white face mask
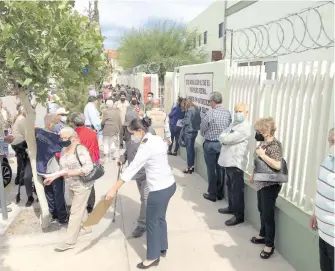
136, 138
149, 98
63, 118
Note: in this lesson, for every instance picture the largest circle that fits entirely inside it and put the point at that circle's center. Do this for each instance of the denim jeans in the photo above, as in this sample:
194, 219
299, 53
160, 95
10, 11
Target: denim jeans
266, 198
214, 172
190, 150
175, 133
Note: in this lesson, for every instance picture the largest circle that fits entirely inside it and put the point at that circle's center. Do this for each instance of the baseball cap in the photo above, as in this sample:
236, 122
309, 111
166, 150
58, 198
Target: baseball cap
61, 111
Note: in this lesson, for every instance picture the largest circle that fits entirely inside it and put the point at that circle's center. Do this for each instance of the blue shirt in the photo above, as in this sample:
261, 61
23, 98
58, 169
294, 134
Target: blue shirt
175, 115
48, 144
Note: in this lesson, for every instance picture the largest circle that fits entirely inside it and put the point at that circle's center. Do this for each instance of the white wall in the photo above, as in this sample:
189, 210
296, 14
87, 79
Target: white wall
263, 12
209, 21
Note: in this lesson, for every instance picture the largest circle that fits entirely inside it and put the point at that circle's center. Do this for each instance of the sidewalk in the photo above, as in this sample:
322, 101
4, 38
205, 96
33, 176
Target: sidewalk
198, 238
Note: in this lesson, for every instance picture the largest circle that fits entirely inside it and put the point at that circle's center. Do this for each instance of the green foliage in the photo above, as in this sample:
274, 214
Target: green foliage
164, 45
44, 39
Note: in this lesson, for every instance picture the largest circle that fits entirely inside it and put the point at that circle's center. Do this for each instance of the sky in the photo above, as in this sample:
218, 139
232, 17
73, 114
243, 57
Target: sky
118, 16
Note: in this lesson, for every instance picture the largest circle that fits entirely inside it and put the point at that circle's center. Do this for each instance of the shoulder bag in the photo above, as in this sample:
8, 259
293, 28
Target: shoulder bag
264, 173
97, 172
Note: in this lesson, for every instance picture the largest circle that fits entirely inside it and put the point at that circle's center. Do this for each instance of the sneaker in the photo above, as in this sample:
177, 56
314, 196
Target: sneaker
64, 247
138, 232
85, 232
30, 201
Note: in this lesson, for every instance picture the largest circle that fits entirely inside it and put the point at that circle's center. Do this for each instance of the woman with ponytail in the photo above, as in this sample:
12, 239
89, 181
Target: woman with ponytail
152, 156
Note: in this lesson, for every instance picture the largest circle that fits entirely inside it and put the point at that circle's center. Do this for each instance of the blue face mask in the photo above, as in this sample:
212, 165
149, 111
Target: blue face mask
239, 117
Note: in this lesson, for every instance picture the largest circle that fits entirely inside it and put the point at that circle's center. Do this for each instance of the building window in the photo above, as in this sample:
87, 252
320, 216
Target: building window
199, 40
271, 67
205, 37
220, 30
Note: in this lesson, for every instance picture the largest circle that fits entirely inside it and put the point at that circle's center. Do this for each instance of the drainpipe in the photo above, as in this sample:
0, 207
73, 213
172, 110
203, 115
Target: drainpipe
224, 30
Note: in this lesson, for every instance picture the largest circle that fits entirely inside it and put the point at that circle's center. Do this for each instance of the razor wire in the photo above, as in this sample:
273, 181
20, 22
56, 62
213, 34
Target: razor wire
156, 67
294, 33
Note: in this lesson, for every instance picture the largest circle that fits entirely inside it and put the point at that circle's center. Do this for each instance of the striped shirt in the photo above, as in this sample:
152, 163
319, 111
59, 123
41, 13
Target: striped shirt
324, 201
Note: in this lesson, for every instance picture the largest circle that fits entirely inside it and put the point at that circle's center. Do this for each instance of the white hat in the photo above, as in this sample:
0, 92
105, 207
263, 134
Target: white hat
61, 111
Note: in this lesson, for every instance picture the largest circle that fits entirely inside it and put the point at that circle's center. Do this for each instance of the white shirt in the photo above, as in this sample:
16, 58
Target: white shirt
18, 130
92, 116
152, 155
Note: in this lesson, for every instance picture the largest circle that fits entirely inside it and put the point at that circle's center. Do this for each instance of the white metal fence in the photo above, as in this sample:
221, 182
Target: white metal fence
301, 99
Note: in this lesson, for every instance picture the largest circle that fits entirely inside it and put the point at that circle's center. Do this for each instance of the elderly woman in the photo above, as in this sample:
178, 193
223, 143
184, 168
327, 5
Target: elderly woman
75, 161
111, 123
271, 152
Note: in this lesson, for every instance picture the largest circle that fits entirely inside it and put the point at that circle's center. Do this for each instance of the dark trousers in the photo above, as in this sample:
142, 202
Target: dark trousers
326, 255
266, 198
22, 157
28, 179
190, 148
122, 134
175, 133
157, 204
91, 201
55, 197
235, 185
214, 172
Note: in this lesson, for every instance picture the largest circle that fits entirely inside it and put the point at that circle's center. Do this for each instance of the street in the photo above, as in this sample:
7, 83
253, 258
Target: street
198, 238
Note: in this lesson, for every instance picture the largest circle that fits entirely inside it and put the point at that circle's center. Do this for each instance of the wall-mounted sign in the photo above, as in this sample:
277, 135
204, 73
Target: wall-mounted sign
198, 88
217, 55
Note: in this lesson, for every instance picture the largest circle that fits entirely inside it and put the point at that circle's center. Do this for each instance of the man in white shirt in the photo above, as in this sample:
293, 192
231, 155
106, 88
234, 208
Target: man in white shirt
323, 218
92, 115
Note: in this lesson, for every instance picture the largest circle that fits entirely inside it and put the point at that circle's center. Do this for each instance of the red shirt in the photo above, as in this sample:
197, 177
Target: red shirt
89, 139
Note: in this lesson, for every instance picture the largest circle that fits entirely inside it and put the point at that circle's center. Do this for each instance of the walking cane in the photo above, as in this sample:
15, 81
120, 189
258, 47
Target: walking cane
118, 176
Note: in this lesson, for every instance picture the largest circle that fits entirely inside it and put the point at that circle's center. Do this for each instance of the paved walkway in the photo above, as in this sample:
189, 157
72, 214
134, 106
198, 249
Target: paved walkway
198, 238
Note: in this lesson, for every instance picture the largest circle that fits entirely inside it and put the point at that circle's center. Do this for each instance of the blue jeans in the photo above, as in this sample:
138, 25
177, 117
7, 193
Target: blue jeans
212, 151
54, 194
190, 150
175, 133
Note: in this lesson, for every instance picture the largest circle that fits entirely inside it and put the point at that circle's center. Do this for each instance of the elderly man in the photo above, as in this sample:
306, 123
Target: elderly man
233, 158
48, 144
323, 218
213, 124
92, 115
60, 120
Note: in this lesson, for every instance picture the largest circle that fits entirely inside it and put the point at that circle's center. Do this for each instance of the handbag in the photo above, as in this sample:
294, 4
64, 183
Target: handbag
181, 139
264, 173
180, 123
97, 172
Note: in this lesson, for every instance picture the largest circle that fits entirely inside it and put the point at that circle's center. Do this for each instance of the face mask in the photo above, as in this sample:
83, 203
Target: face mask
134, 102
136, 138
332, 150
149, 98
63, 118
66, 143
123, 99
239, 117
259, 137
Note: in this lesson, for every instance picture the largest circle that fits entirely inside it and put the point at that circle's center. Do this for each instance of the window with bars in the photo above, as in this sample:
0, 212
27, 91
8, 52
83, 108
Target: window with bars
205, 37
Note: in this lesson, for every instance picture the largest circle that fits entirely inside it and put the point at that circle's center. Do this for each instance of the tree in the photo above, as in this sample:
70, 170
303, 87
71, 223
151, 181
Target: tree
162, 47
40, 40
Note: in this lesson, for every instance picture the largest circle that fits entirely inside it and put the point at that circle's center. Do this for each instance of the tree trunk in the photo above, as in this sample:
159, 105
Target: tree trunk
32, 150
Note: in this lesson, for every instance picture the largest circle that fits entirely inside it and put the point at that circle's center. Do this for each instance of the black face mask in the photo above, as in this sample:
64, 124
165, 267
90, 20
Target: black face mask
123, 99
133, 102
66, 143
259, 137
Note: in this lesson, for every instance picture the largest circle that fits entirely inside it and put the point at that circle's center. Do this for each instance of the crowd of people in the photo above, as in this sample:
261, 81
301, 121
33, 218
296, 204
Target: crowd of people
69, 143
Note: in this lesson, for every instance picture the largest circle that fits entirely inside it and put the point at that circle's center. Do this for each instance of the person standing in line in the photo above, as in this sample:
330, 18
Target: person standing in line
152, 155
88, 138
122, 105
133, 109
111, 123
75, 162
233, 158
48, 144
270, 150
148, 105
92, 114
176, 116
323, 218
213, 124
6, 118
191, 126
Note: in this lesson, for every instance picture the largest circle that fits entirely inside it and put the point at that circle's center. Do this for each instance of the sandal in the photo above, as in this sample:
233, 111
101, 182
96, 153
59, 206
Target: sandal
266, 255
257, 241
